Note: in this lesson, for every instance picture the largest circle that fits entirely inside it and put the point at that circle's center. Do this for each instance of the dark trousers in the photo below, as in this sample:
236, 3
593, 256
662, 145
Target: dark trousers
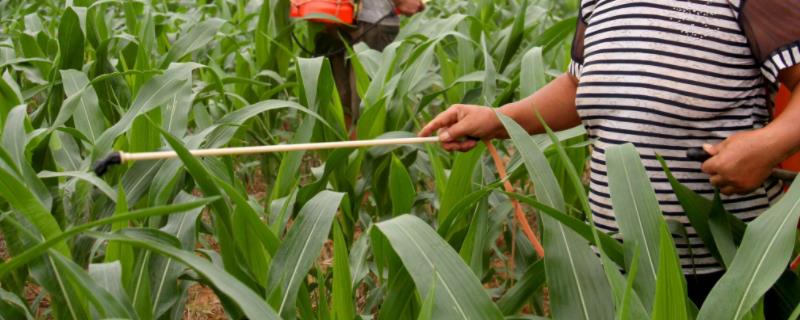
699, 286
329, 44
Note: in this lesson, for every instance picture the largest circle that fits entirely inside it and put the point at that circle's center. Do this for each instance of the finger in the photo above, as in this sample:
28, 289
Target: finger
719, 181
709, 167
729, 191
711, 149
451, 146
467, 145
461, 129
444, 119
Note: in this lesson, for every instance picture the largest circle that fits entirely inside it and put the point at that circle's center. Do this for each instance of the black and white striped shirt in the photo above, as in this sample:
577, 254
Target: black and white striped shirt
667, 76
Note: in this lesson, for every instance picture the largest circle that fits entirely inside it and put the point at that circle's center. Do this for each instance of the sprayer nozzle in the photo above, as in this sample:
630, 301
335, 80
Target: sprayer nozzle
101, 166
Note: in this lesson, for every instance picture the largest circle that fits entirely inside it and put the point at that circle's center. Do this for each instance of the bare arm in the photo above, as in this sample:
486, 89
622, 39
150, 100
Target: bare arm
555, 102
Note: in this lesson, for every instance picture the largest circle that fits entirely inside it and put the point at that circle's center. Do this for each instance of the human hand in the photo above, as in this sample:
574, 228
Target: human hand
742, 162
409, 7
461, 121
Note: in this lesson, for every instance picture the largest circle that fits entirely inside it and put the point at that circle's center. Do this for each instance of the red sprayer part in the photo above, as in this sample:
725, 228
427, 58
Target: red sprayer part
343, 10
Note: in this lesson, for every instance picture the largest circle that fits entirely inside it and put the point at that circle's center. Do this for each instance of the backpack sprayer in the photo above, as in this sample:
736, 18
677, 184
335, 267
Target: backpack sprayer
317, 10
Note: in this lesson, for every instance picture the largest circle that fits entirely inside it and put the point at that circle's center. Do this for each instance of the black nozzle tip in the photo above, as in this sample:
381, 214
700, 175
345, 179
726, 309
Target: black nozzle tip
697, 154
101, 166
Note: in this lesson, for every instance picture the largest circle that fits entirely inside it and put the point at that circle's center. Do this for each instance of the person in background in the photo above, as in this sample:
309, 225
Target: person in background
667, 76
377, 26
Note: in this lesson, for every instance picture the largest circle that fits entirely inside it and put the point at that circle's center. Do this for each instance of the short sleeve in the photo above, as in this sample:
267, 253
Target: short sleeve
576, 65
773, 30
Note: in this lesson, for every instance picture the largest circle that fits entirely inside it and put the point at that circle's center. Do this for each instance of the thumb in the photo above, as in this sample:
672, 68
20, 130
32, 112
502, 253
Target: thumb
711, 149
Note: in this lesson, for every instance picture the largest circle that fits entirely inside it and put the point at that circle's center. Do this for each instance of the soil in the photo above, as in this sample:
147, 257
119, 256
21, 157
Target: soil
203, 304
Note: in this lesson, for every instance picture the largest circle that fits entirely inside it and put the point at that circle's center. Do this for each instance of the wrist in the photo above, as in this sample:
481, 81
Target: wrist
781, 141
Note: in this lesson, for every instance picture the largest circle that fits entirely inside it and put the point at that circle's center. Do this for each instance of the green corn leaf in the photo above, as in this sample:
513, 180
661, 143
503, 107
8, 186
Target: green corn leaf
298, 251
763, 255
460, 181
401, 188
57, 238
251, 304
154, 93
107, 305
222, 212
426, 311
70, 41
87, 116
12, 307
721, 231
625, 309
90, 178
579, 287
200, 35
516, 297
514, 39
670, 295
23, 200
615, 278
165, 284
10, 96
532, 75
638, 214
343, 307
459, 293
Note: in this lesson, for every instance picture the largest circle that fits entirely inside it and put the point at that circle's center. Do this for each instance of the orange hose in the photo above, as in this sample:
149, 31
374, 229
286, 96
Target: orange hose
796, 263
518, 213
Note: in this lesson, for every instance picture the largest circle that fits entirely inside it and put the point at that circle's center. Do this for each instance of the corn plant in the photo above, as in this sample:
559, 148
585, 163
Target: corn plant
386, 232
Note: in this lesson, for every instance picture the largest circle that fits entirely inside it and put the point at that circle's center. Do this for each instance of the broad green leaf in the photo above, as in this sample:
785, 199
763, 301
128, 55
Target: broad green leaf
401, 188
198, 37
154, 93
300, 249
763, 255
721, 230
638, 214
165, 272
23, 200
670, 295
611, 246
431, 261
579, 289
251, 304
342, 293
107, 305
55, 239
612, 271
10, 96
532, 72
94, 180
221, 210
516, 297
515, 36
87, 116
70, 41
460, 181
12, 307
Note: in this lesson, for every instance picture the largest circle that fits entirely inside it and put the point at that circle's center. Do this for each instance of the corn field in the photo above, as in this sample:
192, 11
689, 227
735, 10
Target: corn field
411, 232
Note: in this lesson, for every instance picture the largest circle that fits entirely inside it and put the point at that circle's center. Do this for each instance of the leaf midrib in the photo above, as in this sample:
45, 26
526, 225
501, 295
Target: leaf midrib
638, 217
761, 261
433, 267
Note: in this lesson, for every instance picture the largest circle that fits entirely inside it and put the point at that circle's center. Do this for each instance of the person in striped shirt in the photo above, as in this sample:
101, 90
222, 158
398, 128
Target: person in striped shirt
667, 76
